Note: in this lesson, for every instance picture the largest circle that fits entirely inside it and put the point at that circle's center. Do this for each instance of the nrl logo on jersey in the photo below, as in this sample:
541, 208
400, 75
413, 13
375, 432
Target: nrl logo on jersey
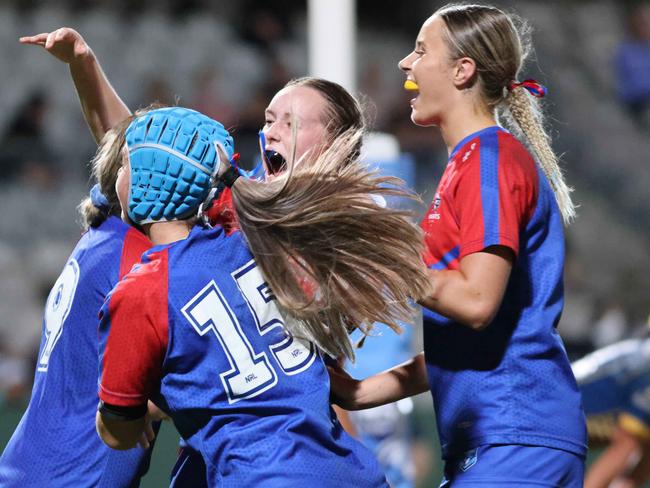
434, 215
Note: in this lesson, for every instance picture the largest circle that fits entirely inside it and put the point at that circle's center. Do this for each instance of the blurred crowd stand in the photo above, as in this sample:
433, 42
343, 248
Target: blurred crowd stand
633, 65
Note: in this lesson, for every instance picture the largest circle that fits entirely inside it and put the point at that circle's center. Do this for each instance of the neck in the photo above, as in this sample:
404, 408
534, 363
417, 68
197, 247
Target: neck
167, 232
462, 121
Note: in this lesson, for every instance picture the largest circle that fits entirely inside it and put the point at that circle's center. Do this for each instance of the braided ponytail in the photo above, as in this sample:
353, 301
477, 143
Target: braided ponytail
523, 110
499, 44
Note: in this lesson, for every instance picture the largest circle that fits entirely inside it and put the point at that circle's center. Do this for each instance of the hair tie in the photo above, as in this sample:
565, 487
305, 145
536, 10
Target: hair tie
235, 160
98, 199
535, 88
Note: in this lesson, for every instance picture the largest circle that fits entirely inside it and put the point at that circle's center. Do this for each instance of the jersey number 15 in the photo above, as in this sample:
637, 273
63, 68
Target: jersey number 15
251, 372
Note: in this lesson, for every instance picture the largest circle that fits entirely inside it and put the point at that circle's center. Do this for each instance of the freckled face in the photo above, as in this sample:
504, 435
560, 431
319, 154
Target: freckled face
308, 107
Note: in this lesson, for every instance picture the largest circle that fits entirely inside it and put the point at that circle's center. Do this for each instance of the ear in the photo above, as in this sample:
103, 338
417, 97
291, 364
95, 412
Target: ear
464, 72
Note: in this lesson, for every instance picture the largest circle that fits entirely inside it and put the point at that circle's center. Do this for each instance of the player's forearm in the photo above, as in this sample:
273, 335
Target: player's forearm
100, 103
119, 434
640, 473
613, 462
403, 381
345, 420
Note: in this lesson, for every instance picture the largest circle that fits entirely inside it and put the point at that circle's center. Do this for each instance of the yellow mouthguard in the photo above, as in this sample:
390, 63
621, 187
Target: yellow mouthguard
411, 85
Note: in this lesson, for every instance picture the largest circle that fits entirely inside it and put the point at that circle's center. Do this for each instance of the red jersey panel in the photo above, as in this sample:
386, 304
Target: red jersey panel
141, 349
135, 244
485, 197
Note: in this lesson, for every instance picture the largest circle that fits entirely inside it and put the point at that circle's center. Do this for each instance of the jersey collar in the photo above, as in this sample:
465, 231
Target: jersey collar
487, 130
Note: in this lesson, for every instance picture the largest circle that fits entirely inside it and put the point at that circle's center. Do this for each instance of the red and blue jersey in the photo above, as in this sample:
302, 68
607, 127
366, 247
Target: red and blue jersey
510, 383
196, 329
56, 444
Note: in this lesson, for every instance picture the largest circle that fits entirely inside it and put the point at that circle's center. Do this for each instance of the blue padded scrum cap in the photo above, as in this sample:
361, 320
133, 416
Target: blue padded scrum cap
173, 161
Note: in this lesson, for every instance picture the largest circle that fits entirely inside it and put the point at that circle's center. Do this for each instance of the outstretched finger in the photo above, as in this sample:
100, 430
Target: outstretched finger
37, 39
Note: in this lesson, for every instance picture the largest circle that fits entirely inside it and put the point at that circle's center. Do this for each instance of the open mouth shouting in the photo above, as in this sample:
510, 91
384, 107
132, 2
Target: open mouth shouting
274, 162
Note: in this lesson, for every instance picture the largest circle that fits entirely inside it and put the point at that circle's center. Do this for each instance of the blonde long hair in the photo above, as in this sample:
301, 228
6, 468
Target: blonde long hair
499, 43
321, 220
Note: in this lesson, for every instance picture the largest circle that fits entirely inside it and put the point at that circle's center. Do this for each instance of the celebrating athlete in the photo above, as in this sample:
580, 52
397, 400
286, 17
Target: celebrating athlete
507, 404
56, 444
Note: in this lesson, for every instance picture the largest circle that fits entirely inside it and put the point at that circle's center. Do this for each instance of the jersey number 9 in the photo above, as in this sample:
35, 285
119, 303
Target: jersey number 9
57, 308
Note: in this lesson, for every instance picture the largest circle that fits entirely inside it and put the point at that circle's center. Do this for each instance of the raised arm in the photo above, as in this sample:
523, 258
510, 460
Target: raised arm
101, 105
407, 379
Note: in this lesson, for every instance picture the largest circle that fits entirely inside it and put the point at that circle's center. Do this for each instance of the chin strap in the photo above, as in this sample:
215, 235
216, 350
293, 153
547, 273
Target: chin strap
98, 199
231, 173
229, 177
221, 180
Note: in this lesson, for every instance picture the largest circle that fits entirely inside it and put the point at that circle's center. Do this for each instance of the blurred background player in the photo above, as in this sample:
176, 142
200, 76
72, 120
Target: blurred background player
56, 444
268, 422
496, 367
615, 386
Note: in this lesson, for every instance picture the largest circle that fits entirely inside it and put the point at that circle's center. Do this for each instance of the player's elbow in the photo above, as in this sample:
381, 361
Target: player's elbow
481, 315
478, 324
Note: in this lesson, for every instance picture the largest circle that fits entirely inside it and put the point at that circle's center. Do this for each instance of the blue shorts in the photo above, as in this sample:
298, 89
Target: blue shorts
189, 470
495, 466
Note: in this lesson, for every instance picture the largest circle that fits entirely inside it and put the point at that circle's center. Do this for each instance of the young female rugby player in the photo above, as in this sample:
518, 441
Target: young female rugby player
507, 404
